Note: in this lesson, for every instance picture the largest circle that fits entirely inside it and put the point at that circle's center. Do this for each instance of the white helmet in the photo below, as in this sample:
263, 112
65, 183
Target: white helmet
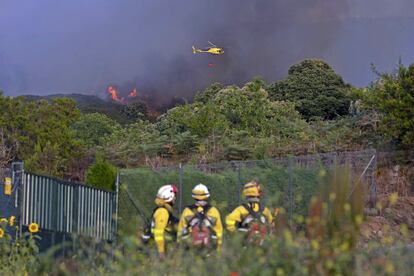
167, 193
200, 192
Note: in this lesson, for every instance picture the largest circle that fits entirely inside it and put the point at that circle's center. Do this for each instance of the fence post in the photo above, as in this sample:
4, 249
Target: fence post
290, 191
75, 209
22, 191
239, 183
373, 186
116, 205
180, 184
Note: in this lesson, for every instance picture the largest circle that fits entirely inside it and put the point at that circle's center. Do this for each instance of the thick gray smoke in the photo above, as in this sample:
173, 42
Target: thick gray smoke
49, 46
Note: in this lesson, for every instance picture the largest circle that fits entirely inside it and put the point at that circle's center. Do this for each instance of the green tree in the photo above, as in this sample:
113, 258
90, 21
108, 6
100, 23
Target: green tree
101, 174
209, 93
92, 129
40, 132
392, 96
127, 146
315, 88
136, 110
249, 108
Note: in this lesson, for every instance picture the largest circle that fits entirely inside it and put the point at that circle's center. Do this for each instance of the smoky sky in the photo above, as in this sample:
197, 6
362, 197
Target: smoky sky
82, 46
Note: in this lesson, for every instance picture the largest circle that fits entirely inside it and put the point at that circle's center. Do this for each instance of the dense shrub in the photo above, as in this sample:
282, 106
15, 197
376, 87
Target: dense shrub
392, 96
93, 128
315, 88
101, 175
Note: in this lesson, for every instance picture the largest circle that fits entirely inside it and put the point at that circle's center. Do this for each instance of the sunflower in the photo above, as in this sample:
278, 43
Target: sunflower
33, 227
1, 233
11, 220
3, 220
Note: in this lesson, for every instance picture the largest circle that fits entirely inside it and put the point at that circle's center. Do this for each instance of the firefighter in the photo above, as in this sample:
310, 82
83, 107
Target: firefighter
163, 223
200, 223
251, 217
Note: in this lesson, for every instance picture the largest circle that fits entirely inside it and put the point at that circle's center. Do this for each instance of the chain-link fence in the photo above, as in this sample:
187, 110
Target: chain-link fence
288, 182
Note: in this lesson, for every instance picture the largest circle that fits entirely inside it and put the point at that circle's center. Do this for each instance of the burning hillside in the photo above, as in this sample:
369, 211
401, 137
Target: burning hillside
116, 97
154, 101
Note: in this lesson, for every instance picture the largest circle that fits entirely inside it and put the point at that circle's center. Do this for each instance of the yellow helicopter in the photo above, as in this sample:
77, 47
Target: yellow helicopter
213, 49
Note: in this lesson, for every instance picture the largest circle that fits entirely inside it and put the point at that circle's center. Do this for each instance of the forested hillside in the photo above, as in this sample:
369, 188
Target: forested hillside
311, 110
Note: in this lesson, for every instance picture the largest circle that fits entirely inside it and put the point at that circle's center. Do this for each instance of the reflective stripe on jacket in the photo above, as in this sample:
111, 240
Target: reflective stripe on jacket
236, 217
163, 228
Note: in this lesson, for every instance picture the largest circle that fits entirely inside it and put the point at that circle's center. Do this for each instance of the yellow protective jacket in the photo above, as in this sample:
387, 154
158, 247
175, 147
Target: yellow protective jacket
213, 215
236, 217
163, 226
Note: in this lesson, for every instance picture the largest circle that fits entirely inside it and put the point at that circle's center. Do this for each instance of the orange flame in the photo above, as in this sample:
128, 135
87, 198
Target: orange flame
114, 94
133, 93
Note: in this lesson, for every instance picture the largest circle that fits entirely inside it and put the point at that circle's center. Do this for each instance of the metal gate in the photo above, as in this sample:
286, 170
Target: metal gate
62, 206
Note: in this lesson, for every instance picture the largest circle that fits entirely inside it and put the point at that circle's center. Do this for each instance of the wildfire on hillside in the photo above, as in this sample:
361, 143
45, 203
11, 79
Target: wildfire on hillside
133, 93
128, 94
114, 94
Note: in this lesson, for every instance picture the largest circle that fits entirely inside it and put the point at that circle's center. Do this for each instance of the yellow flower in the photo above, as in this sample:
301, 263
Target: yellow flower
280, 272
322, 173
347, 207
404, 230
358, 219
393, 198
288, 236
11, 220
3, 220
389, 268
33, 228
332, 196
387, 240
299, 218
1, 233
315, 244
345, 246
329, 264
378, 205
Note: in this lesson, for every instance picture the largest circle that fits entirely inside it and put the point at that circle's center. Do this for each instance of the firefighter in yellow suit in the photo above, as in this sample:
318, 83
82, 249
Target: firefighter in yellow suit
202, 214
243, 215
163, 223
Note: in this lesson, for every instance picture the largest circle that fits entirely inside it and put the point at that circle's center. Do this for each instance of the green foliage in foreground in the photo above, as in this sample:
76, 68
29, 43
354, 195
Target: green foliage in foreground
327, 246
17, 256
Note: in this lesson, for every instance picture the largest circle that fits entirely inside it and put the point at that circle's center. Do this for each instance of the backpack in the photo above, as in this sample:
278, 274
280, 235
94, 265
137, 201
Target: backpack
200, 224
255, 224
150, 223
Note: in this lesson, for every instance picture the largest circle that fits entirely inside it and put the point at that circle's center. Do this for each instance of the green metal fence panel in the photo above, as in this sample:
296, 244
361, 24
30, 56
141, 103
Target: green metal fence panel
62, 206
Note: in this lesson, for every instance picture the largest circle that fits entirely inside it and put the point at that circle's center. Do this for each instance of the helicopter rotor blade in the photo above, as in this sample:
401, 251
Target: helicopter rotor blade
211, 43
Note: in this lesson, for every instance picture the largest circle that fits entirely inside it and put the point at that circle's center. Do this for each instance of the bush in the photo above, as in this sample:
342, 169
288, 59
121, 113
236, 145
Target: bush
92, 128
315, 88
101, 175
392, 96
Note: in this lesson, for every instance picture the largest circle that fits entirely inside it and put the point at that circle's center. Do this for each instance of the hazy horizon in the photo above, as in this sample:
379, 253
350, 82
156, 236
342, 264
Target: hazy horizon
48, 47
